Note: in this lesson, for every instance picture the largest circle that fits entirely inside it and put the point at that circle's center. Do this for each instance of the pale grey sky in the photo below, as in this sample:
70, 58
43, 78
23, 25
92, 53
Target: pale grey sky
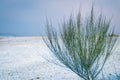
28, 17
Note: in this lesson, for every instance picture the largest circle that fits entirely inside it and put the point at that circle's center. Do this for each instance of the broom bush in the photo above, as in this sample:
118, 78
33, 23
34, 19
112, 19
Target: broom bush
83, 46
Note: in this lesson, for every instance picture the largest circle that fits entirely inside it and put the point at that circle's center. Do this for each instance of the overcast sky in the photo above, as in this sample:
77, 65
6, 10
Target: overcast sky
28, 17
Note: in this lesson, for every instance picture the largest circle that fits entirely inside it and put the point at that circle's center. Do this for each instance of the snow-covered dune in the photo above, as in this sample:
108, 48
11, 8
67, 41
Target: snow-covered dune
23, 58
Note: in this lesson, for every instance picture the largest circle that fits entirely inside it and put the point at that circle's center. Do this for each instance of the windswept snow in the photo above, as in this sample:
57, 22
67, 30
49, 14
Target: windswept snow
23, 58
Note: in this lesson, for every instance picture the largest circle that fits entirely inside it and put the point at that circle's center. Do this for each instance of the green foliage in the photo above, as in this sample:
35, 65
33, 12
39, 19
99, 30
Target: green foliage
82, 46
113, 35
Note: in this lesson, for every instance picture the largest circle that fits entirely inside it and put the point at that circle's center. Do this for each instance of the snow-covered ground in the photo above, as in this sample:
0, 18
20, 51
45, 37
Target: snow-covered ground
23, 58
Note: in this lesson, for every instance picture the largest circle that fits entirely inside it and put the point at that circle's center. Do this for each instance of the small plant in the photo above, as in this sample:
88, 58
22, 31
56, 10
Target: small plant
111, 77
118, 77
82, 46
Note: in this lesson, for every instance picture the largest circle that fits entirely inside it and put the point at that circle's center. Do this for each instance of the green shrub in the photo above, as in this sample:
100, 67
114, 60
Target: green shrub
82, 46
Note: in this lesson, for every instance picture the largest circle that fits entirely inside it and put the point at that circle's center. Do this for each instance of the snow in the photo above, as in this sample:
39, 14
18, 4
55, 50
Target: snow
23, 58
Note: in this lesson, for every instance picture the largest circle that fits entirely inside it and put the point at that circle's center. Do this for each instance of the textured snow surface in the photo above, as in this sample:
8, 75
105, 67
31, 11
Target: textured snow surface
23, 58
